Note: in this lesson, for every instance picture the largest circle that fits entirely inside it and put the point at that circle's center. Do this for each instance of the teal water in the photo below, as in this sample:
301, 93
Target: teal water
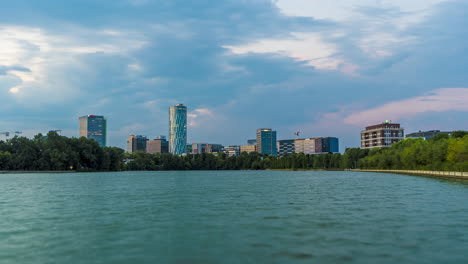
232, 217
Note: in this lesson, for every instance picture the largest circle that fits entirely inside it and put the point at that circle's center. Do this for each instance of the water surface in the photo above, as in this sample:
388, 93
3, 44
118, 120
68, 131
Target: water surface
232, 217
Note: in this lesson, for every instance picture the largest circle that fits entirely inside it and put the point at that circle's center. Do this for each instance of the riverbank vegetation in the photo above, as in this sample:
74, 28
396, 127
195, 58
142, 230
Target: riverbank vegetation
58, 153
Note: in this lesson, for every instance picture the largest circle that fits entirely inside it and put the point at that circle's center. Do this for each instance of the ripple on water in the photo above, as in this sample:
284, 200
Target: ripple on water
232, 217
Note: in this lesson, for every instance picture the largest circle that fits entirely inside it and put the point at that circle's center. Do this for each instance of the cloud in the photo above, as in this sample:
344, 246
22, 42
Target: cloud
43, 61
249, 64
442, 100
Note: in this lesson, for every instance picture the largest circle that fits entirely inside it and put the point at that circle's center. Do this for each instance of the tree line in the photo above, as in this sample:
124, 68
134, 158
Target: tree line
58, 153
53, 152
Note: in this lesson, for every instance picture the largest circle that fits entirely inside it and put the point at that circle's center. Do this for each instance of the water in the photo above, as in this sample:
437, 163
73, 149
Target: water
232, 217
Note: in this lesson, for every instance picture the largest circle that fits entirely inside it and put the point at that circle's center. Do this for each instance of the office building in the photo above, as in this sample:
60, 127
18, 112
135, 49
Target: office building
232, 151
178, 129
318, 145
94, 127
248, 148
198, 148
157, 145
326, 145
305, 145
136, 143
381, 135
286, 147
266, 141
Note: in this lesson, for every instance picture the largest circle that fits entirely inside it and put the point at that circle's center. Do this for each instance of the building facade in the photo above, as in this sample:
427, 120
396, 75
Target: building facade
319, 145
286, 147
199, 148
136, 143
248, 148
266, 141
381, 135
326, 145
178, 129
157, 145
94, 127
232, 151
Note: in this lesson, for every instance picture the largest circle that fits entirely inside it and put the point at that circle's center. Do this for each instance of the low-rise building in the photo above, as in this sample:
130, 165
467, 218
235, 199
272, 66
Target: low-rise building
248, 148
381, 135
157, 145
286, 147
136, 143
199, 148
318, 145
233, 151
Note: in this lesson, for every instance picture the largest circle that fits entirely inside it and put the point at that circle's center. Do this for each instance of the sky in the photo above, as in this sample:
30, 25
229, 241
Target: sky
324, 68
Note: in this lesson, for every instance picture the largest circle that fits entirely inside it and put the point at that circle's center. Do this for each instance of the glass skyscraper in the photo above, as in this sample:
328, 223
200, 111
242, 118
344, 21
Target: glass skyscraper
266, 141
178, 129
94, 127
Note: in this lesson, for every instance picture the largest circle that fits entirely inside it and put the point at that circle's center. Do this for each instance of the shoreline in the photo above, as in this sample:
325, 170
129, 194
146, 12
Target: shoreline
433, 174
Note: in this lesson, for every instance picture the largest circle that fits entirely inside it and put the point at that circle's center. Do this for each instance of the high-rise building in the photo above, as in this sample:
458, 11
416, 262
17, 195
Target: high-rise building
157, 145
178, 129
381, 135
286, 147
94, 127
136, 143
266, 141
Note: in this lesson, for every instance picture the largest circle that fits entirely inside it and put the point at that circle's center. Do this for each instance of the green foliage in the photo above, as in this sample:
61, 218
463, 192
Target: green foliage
57, 153
442, 152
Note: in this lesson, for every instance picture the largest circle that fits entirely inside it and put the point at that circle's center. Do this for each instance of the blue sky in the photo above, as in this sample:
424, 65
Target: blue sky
325, 68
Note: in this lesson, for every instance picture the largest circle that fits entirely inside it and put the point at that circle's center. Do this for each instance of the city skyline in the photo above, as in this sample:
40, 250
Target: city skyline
322, 68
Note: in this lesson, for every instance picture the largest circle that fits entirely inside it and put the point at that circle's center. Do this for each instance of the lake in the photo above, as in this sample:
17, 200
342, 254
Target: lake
232, 217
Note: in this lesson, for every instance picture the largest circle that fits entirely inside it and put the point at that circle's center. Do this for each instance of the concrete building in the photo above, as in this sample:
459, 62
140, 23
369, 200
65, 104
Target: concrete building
381, 135
266, 141
198, 148
286, 147
178, 129
94, 127
306, 146
318, 145
233, 151
136, 143
248, 148
157, 145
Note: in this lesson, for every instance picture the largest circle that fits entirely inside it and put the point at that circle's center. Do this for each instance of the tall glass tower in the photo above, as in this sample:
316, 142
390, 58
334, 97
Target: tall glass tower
94, 127
266, 141
178, 129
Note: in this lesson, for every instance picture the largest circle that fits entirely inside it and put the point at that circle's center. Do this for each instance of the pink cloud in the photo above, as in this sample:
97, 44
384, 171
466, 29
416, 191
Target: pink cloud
441, 100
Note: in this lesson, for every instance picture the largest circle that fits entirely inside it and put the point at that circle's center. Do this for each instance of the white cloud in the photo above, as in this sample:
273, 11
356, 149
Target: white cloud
344, 10
47, 55
309, 47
